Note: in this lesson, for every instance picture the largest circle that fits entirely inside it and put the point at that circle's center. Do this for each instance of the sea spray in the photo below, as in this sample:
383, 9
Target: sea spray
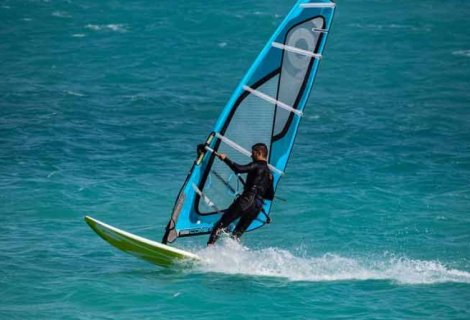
231, 257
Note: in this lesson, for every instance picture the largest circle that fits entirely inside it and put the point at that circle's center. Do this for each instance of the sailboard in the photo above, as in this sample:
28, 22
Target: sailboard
151, 251
266, 107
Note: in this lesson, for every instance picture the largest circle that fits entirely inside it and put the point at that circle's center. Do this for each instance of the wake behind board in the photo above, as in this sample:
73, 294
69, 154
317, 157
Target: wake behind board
151, 251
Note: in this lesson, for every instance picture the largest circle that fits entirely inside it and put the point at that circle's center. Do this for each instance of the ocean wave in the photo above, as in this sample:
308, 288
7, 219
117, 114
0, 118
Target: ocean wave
61, 14
391, 26
232, 258
462, 53
74, 93
107, 27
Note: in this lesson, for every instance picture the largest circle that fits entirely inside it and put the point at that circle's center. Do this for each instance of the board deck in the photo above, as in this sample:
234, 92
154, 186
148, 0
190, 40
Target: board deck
151, 251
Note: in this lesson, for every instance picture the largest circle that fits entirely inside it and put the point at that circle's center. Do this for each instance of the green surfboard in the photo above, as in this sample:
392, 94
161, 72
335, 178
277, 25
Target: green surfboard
151, 251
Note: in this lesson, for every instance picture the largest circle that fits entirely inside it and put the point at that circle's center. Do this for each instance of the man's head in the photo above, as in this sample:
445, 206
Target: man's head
259, 151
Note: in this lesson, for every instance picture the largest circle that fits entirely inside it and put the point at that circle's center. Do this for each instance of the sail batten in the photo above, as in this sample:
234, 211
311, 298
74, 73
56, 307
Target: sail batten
320, 30
272, 100
234, 145
205, 198
318, 5
242, 150
296, 50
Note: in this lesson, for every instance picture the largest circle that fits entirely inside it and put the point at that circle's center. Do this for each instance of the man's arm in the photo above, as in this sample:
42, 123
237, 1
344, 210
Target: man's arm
237, 168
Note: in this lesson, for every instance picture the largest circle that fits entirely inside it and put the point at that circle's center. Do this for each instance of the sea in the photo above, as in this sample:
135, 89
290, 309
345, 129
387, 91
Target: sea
102, 104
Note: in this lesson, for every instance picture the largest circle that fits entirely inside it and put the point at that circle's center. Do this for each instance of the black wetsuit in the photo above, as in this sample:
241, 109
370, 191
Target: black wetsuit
258, 186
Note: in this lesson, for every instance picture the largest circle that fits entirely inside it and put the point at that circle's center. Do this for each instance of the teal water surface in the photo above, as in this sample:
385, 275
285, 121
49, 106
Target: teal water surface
103, 102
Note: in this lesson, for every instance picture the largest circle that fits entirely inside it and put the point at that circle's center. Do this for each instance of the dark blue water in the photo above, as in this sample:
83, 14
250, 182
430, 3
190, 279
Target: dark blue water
102, 104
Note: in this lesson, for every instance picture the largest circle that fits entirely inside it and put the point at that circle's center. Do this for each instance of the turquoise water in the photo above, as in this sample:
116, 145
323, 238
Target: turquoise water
103, 102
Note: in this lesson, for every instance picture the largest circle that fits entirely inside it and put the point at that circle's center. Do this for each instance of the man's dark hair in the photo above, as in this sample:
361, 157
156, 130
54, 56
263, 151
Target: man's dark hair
260, 148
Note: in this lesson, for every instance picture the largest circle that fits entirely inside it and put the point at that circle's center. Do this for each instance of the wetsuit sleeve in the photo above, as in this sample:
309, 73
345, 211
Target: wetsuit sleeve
238, 168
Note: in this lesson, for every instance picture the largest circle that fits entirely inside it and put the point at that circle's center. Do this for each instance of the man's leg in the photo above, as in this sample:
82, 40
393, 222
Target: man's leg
245, 222
227, 218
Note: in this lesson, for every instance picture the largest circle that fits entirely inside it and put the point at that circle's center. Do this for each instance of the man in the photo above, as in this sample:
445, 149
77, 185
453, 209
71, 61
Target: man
258, 186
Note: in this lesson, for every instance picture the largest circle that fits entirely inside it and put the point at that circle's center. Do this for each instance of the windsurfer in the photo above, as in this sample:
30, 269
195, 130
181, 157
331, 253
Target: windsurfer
258, 187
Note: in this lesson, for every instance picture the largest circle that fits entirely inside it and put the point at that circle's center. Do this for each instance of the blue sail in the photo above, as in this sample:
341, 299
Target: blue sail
266, 107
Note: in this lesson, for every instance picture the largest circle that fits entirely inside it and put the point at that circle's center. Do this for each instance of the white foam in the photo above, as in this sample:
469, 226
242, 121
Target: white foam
61, 14
232, 258
462, 53
116, 27
110, 27
93, 27
74, 93
370, 26
51, 174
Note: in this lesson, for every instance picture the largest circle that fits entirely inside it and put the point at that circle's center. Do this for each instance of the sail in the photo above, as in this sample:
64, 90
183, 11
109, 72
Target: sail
266, 107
